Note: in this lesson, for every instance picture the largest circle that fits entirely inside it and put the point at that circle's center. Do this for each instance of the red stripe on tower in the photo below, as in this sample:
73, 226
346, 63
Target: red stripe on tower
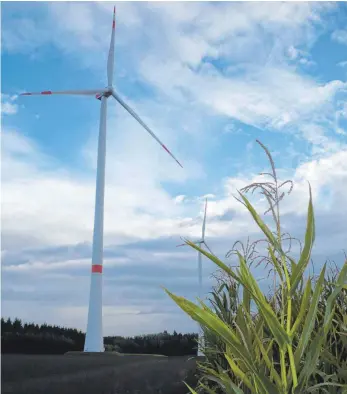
97, 268
46, 92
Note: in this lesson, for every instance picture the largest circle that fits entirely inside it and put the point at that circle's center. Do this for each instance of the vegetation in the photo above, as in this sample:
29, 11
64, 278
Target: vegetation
163, 343
293, 340
31, 338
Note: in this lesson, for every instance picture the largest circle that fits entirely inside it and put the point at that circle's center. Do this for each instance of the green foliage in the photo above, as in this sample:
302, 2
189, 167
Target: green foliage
295, 339
162, 343
31, 338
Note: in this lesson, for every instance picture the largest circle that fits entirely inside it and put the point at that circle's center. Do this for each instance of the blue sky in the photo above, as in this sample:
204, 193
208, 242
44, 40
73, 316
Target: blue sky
209, 78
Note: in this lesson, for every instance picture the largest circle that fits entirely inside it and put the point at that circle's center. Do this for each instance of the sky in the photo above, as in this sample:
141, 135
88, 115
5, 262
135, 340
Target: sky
209, 78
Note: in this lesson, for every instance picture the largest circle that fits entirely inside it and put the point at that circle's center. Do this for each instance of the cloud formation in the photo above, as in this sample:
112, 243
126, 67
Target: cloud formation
8, 105
210, 78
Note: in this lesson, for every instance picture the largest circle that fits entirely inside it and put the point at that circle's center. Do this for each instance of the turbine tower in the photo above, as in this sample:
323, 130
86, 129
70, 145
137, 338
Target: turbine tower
94, 335
200, 243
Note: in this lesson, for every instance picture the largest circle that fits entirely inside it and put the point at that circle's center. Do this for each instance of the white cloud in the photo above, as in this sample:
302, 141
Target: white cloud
303, 57
47, 205
56, 207
174, 54
8, 105
272, 97
340, 36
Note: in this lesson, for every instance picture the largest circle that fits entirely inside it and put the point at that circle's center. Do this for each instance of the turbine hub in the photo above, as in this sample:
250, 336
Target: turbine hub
108, 92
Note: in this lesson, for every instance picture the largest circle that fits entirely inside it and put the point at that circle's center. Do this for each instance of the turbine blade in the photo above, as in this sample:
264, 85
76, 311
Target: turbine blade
67, 92
110, 60
204, 222
209, 248
194, 242
131, 112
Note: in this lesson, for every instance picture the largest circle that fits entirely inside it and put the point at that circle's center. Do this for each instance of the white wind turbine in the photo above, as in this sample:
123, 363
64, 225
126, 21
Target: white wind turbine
94, 335
200, 243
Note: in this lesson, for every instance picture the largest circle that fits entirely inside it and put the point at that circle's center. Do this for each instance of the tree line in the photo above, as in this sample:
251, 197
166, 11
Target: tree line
31, 338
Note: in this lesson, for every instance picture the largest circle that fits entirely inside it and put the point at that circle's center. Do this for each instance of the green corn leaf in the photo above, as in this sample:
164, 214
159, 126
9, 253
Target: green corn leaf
191, 389
263, 351
293, 263
236, 389
340, 284
207, 318
275, 263
239, 373
222, 379
243, 329
265, 384
216, 260
265, 229
306, 252
303, 308
246, 300
210, 391
279, 332
309, 320
311, 358
320, 385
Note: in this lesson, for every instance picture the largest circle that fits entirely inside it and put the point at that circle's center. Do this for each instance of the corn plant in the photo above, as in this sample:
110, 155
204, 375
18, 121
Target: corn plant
333, 363
225, 302
286, 343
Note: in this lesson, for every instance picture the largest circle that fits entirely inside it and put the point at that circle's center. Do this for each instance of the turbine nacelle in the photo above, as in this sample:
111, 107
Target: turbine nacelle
106, 93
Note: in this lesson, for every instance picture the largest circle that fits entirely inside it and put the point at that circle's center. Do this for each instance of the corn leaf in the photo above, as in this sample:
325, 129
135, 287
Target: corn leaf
239, 373
303, 308
264, 353
216, 260
340, 284
276, 264
265, 229
211, 321
310, 320
279, 332
306, 252
191, 389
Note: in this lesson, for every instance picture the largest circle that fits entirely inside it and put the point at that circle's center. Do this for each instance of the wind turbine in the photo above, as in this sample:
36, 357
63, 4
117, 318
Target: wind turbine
94, 336
201, 242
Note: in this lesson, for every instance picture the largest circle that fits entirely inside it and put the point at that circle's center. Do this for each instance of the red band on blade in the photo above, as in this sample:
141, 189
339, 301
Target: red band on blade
113, 25
97, 268
46, 92
167, 150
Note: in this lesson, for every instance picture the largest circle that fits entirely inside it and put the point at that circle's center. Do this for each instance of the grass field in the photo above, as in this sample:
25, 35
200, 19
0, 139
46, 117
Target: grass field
33, 374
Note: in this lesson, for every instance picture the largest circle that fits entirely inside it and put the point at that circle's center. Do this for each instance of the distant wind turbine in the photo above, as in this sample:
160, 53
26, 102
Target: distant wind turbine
94, 335
200, 243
